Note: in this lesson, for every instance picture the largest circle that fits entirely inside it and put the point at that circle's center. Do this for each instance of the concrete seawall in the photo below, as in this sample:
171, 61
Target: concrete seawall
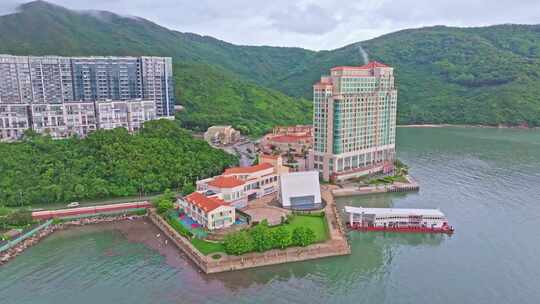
337, 245
182, 243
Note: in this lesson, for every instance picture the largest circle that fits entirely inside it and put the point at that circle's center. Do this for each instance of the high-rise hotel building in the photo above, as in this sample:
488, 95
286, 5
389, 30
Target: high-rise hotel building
66, 95
354, 121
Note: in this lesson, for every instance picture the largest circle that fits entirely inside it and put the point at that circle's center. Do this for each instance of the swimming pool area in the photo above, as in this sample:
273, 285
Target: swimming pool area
189, 223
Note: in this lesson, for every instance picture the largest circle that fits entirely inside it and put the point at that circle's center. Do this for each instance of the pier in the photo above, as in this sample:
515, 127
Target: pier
410, 186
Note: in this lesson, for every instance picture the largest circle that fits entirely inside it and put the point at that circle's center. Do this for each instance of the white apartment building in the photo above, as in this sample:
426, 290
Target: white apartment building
57, 93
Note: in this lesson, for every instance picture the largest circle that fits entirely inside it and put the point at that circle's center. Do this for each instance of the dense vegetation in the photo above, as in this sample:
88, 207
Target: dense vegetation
20, 218
108, 163
488, 75
298, 230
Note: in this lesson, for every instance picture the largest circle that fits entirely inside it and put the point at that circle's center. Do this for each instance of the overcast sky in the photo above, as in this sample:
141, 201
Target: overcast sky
312, 24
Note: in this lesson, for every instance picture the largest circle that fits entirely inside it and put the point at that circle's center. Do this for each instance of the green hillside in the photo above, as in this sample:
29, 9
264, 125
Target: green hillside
486, 75
215, 96
451, 75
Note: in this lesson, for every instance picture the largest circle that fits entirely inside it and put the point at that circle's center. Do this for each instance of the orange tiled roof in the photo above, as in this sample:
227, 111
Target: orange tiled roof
250, 169
270, 156
226, 182
205, 203
289, 138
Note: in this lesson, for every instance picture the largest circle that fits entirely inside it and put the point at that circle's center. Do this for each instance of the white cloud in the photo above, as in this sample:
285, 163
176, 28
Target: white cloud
313, 24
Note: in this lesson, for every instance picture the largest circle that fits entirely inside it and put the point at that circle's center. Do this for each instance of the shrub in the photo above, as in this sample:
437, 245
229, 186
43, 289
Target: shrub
303, 236
57, 221
140, 212
20, 217
216, 256
281, 238
261, 237
238, 243
4, 211
188, 188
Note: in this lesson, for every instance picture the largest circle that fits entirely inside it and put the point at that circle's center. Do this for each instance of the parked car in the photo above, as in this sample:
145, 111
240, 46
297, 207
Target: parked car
73, 205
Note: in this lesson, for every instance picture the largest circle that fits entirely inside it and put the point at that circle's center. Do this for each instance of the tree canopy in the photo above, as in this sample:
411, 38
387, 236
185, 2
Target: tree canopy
108, 163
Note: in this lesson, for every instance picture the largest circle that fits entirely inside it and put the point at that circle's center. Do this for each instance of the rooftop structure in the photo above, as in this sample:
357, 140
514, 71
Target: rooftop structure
248, 170
293, 130
226, 182
394, 211
354, 121
300, 190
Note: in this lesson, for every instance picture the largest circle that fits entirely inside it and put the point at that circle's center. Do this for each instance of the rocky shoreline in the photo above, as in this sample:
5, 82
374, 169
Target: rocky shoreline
18, 249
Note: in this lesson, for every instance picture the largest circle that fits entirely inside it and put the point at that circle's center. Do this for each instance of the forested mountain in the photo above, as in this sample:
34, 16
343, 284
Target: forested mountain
488, 75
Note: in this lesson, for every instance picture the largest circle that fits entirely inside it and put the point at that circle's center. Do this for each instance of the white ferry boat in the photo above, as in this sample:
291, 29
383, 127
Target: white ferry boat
398, 220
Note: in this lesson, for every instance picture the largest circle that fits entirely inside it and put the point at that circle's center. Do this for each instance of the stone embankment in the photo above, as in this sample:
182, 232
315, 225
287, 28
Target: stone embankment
336, 245
9, 254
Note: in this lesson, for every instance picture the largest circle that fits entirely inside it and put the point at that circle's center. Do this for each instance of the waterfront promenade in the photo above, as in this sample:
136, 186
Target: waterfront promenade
410, 185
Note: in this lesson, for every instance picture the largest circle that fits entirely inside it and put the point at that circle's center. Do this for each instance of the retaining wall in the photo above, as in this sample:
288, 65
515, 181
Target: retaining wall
337, 245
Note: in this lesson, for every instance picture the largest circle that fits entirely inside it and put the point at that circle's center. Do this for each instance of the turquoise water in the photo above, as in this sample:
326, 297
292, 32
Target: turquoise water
487, 181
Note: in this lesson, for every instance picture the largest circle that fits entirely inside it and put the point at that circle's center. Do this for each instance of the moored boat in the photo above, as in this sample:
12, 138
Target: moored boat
398, 220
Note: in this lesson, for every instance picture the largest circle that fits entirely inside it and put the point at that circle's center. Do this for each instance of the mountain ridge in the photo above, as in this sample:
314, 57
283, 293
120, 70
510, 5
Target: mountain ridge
476, 75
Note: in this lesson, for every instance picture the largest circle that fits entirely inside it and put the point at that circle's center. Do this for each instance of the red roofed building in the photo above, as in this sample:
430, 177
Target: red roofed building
226, 182
239, 185
241, 171
293, 143
208, 211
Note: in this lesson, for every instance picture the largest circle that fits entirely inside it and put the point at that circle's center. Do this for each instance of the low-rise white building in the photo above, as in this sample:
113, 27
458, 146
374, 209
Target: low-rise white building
239, 185
209, 211
300, 190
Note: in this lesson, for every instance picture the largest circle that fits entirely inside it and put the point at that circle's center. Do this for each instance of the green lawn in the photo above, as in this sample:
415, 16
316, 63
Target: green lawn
388, 180
206, 247
317, 223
